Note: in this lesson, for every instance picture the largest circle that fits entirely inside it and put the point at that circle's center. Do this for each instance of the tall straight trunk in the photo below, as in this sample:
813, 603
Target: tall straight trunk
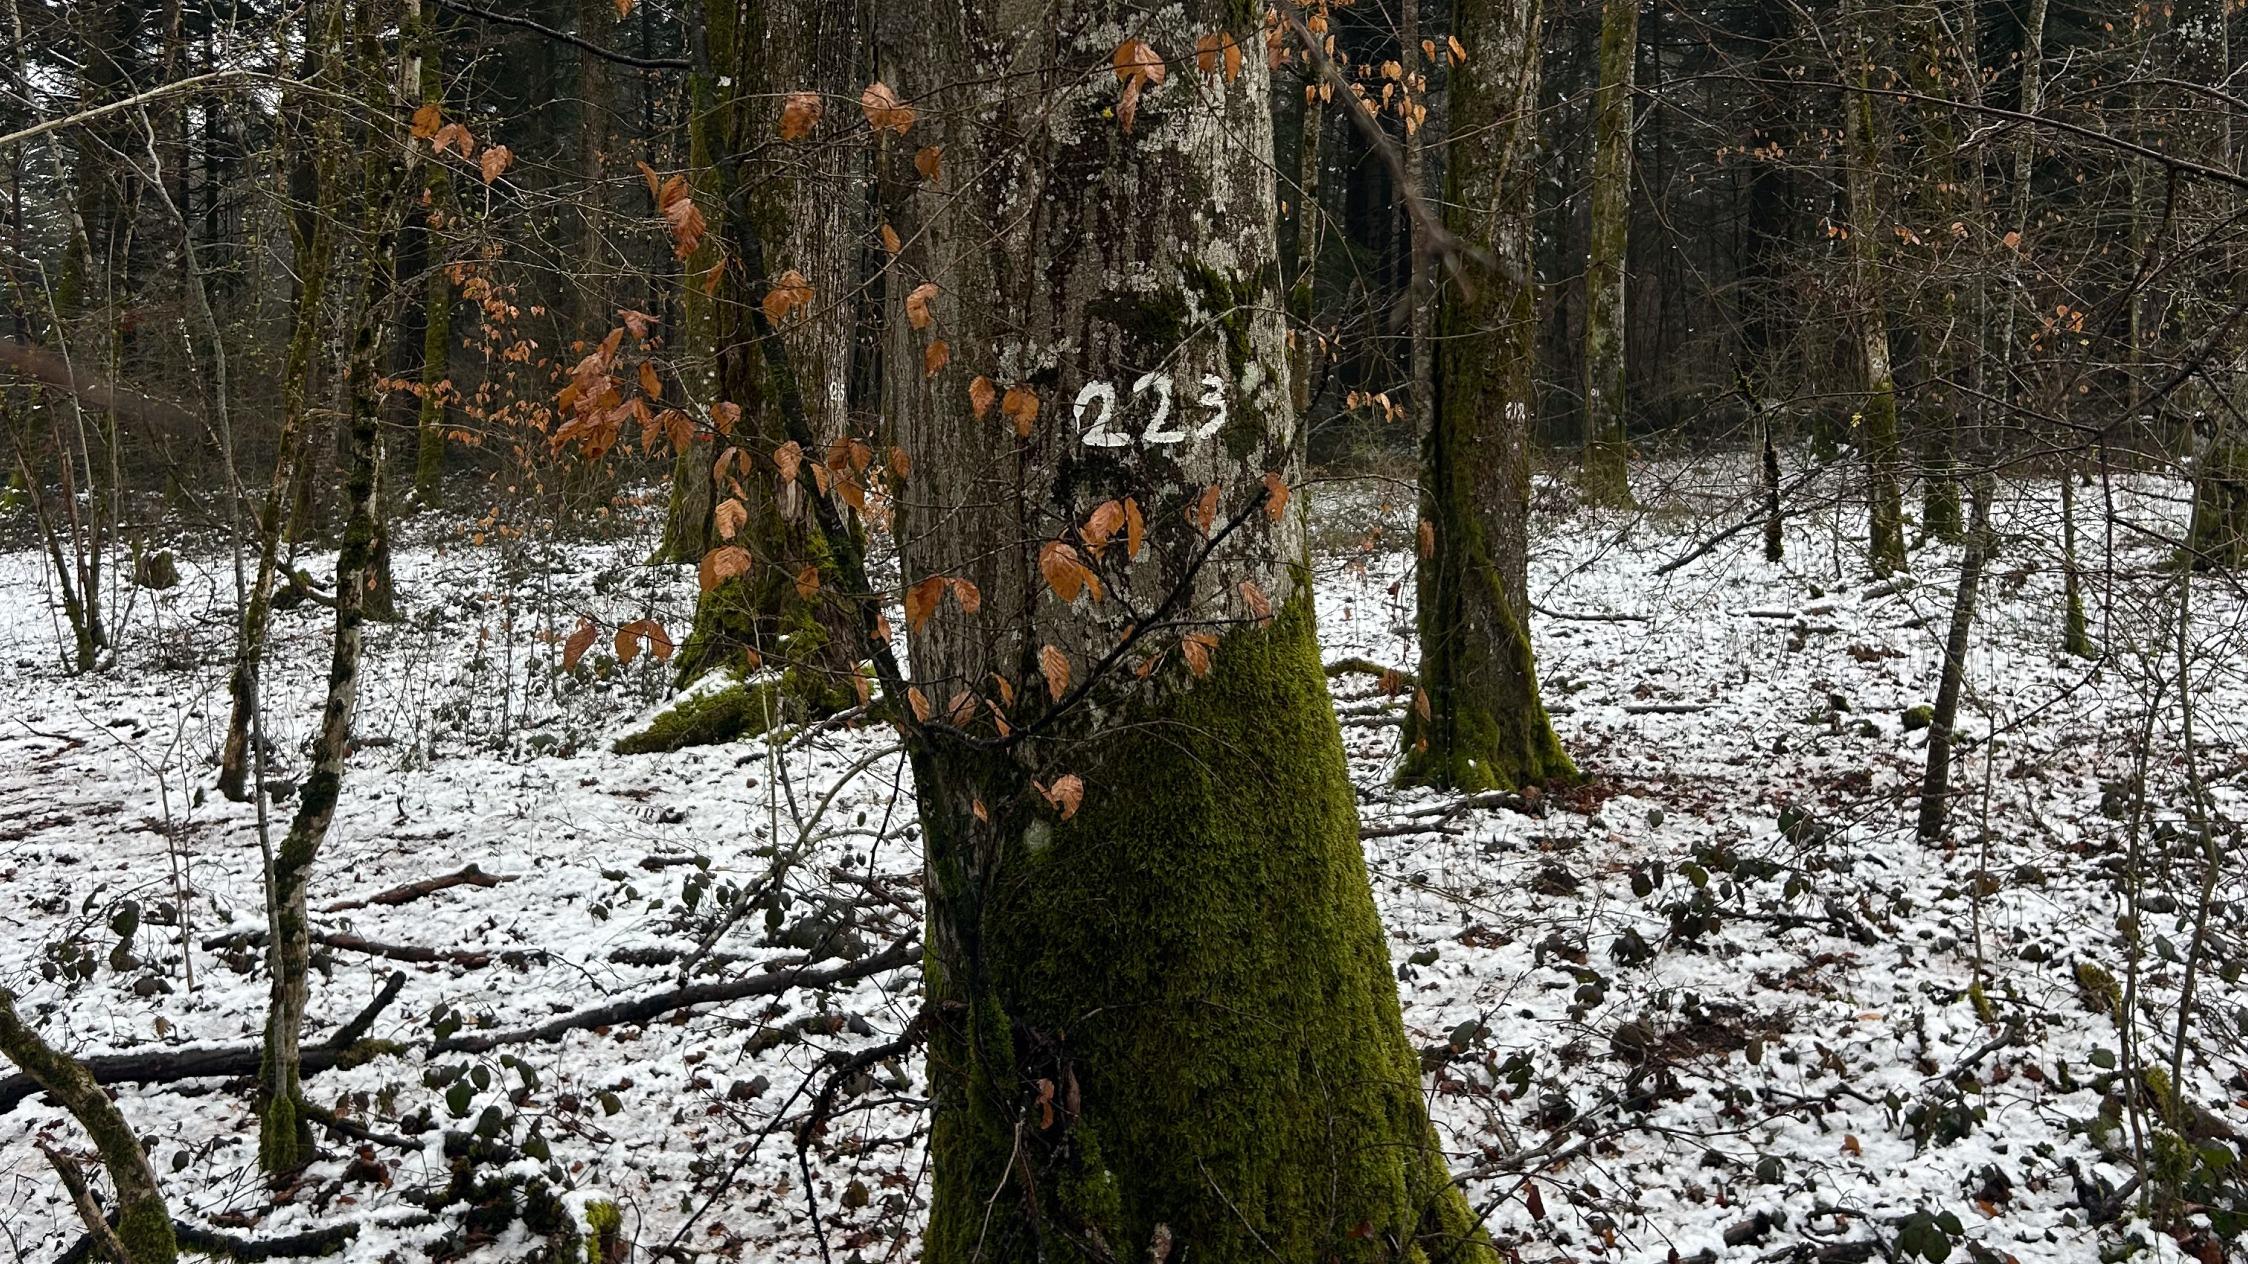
1606, 474
1477, 722
1935, 783
1947, 313
794, 194
1877, 415
1163, 1023
1420, 345
284, 1134
2219, 531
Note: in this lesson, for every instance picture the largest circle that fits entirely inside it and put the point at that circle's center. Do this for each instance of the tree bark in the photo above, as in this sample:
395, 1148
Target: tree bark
1935, 783
1606, 472
1877, 415
793, 194
144, 1225
1477, 721
1163, 1023
284, 1135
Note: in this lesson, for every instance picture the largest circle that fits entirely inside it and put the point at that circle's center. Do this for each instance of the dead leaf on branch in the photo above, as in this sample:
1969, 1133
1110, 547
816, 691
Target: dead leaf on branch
721, 564
883, 109
791, 292
580, 641
800, 113
1054, 665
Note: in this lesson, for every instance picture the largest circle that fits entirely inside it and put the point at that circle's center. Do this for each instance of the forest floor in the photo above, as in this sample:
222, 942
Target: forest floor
1718, 1000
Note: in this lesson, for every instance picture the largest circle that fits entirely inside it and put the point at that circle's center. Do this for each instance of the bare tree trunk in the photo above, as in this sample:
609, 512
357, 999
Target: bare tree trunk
1477, 722
315, 183
1877, 416
144, 1224
1606, 473
1303, 292
284, 1134
1935, 784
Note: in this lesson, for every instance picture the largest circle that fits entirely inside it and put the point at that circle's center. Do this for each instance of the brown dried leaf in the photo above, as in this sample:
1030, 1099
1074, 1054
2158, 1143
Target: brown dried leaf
800, 113
650, 385
1066, 794
982, 394
1135, 529
883, 109
495, 162
967, 594
1260, 606
807, 582
934, 357
722, 564
789, 293
1057, 561
729, 517
1103, 524
921, 601
1054, 666
580, 641
929, 161
1276, 495
917, 304
890, 240
427, 120
1020, 406
919, 701
1198, 647
1204, 512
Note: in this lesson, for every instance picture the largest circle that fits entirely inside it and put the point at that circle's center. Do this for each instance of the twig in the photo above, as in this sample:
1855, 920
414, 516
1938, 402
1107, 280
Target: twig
466, 876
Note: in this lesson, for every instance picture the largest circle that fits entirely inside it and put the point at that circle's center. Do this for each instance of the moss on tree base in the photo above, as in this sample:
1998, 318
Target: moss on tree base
1172, 1018
735, 711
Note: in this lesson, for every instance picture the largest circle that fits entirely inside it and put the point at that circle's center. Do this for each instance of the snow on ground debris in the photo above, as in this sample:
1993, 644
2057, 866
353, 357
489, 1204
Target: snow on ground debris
1720, 1000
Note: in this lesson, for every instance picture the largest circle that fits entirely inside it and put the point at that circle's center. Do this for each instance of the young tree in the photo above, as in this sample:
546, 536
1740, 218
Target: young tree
1606, 478
1477, 721
1162, 1016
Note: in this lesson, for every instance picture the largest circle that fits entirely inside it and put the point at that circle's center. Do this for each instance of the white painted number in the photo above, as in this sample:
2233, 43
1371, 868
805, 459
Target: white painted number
1155, 433
1095, 425
1098, 435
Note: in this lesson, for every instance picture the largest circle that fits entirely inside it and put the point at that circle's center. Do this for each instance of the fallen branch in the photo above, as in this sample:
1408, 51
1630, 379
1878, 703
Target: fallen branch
1664, 708
467, 876
639, 1010
472, 958
1356, 666
167, 1066
1574, 617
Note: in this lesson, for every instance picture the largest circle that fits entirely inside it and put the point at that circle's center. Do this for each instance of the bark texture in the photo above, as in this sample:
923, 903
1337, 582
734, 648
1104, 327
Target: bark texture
1478, 722
1606, 475
1164, 1027
793, 194
1877, 414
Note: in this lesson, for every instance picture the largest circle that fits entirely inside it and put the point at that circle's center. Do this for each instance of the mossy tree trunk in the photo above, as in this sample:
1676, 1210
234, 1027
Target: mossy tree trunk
1606, 470
1165, 1026
285, 1135
143, 1230
795, 194
1935, 782
1477, 721
1877, 415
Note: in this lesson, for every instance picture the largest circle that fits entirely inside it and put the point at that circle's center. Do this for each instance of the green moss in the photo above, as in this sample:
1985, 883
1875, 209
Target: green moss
1153, 325
1195, 960
280, 1135
2099, 988
604, 1231
146, 1233
1919, 717
708, 719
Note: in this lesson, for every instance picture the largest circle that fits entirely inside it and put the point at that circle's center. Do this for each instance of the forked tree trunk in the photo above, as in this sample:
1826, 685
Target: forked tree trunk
1164, 1026
1877, 415
1477, 722
1606, 473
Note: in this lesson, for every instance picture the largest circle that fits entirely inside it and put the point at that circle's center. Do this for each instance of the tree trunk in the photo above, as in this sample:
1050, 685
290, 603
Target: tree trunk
1606, 472
314, 182
437, 288
790, 192
1477, 721
1163, 1024
1935, 784
285, 1135
1303, 292
144, 1225
1877, 417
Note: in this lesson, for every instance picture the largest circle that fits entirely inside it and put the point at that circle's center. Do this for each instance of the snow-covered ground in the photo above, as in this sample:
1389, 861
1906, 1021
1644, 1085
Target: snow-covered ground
1719, 1000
